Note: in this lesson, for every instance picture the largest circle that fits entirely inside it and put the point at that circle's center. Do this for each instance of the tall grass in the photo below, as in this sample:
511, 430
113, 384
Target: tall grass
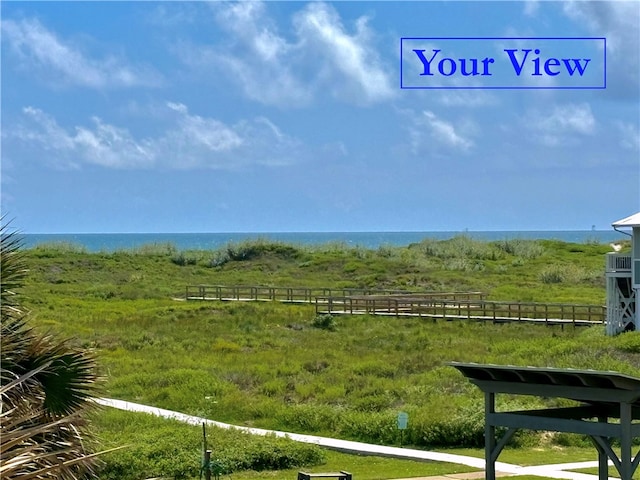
279, 366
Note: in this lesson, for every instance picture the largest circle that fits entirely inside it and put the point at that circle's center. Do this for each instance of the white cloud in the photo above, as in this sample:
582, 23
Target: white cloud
255, 56
110, 146
63, 62
461, 98
190, 142
619, 22
629, 136
430, 132
348, 58
194, 130
570, 118
316, 56
562, 126
445, 132
177, 14
531, 7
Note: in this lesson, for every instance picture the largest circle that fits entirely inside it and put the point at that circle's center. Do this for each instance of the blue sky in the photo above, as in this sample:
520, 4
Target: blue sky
289, 116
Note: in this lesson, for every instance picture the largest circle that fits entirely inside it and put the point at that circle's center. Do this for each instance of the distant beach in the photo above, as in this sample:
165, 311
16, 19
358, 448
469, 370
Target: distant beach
109, 242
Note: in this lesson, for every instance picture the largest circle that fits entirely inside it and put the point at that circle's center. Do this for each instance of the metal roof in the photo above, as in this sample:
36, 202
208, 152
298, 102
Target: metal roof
630, 221
591, 386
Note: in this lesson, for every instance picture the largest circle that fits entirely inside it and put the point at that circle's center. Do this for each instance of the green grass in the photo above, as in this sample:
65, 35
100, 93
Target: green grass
147, 436
268, 365
365, 468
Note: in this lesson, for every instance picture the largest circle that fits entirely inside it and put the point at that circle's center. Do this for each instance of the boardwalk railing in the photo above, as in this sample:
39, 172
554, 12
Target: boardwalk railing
471, 309
308, 295
435, 305
283, 294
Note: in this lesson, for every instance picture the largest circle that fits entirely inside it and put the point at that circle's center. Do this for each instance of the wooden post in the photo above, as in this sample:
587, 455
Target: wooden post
603, 459
626, 459
207, 465
489, 436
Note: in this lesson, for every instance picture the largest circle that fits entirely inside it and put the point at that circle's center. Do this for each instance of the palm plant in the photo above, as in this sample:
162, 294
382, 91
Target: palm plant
46, 388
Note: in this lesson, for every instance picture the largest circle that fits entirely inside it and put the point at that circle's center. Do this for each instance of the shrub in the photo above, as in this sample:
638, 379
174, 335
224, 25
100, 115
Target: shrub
372, 427
465, 428
183, 260
525, 249
460, 247
552, 274
251, 249
324, 322
161, 447
219, 259
308, 418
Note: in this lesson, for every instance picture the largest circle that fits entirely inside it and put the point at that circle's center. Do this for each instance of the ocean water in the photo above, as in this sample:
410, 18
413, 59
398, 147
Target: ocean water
109, 242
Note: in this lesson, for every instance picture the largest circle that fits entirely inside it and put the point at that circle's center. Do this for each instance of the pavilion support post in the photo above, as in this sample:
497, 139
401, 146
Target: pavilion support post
625, 441
604, 444
603, 456
489, 435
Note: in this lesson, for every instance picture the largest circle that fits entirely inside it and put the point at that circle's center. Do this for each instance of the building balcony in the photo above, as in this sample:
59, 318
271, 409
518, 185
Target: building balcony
618, 263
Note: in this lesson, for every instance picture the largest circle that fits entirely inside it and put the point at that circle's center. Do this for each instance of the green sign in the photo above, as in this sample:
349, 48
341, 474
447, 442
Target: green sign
403, 419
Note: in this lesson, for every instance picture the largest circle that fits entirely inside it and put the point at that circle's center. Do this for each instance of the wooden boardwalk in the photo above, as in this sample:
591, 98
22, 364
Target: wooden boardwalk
430, 305
303, 294
464, 309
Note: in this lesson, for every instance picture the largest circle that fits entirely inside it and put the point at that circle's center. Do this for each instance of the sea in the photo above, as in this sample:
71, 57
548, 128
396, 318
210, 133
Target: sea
110, 242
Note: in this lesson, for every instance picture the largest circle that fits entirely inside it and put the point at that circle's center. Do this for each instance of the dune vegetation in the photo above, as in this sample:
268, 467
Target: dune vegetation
278, 366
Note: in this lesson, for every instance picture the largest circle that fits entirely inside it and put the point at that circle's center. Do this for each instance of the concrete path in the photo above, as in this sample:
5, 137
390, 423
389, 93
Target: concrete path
502, 469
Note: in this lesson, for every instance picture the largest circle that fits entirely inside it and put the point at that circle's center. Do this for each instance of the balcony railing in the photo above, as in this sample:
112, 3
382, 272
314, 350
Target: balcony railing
617, 262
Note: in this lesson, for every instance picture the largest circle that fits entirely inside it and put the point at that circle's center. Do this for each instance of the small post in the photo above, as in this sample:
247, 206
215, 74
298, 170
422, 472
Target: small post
403, 419
207, 465
489, 436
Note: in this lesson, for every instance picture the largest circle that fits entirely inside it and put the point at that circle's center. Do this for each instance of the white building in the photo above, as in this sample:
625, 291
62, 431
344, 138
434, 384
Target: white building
623, 281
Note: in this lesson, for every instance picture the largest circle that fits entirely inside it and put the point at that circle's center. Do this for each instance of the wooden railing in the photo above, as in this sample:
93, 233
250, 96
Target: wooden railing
434, 305
283, 294
471, 309
308, 295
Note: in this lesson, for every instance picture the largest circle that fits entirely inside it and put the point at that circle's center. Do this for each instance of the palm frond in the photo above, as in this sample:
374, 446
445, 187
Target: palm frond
45, 388
13, 270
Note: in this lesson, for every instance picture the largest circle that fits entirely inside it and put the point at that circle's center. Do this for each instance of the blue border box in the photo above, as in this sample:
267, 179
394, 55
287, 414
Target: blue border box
503, 63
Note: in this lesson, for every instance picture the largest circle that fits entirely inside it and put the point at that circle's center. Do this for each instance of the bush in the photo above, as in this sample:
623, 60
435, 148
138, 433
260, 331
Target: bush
308, 418
183, 260
324, 322
161, 447
460, 247
251, 249
552, 275
371, 427
219, 259
525, 249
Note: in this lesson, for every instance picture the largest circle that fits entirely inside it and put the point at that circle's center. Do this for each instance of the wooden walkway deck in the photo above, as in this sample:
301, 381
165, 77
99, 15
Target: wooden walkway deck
430, 305
303, 294
467, 309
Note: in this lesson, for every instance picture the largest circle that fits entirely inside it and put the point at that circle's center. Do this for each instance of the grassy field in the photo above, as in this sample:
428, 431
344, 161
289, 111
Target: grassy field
269, 365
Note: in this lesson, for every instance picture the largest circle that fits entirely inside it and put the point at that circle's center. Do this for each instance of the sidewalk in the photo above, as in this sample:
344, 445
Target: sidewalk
457, 476
502, 469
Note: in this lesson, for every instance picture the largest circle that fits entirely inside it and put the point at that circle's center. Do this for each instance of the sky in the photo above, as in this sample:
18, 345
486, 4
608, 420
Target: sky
290, 116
